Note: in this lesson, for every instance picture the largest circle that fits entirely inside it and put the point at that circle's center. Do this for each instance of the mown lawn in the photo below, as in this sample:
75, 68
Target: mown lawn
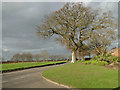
83, 76
12, 66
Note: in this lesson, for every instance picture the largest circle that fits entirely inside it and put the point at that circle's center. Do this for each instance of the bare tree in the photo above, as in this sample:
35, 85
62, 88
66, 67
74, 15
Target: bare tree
54, 57
28, 56
73, 24
16, 57
58, 57
23, 57
45, 54
100, 41
37, 57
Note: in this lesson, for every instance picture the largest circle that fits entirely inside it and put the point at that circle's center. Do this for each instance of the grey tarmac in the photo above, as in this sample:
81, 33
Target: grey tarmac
28, 78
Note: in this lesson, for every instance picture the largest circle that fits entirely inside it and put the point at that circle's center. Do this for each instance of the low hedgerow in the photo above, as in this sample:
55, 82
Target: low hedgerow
101, 63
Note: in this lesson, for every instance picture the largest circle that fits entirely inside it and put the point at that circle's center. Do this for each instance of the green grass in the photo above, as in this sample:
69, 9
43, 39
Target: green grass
83, 76
12, 66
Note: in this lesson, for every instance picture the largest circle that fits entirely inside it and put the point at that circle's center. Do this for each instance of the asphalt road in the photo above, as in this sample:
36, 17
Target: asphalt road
29, 78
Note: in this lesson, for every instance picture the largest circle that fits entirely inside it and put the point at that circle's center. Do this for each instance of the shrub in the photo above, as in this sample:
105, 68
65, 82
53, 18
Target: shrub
94, 62
101, 63
108, 58
87, 62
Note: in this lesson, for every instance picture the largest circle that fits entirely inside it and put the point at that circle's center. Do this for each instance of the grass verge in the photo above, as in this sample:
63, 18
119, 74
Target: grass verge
83, 76
13, 66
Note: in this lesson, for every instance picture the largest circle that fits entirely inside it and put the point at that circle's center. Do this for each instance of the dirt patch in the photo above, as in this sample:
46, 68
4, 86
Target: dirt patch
115, 66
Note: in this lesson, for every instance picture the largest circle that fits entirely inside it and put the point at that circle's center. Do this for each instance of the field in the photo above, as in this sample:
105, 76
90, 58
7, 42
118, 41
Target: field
83, 76
13, 66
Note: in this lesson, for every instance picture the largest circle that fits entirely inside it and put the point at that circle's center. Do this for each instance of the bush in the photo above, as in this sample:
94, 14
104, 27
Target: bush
94, 62
103, 60
101, 63
87, 62
108, 58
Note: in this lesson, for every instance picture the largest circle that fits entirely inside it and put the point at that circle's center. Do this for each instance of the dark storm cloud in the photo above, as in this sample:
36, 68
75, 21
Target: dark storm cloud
0, 29
19, 26
19, 23
106, 6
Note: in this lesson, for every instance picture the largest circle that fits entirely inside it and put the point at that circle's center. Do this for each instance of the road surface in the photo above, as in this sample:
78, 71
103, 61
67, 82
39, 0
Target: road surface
28, 78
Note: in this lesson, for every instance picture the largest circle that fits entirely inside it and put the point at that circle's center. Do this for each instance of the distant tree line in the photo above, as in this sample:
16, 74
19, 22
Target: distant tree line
44, 55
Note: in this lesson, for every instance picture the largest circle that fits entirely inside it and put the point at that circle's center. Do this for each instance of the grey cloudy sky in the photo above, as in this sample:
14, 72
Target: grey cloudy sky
19, 26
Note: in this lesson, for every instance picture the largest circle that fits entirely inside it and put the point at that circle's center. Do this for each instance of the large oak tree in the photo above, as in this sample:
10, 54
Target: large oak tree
73, 24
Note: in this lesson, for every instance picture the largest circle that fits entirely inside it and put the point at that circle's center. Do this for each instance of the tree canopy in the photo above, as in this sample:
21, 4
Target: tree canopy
75, 23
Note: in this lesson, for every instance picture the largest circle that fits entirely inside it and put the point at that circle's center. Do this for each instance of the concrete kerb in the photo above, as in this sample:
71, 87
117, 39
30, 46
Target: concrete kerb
68, 87
56, 83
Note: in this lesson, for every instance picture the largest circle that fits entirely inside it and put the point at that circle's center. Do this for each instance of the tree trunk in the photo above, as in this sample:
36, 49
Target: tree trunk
73, 56
89, 56
79, 57
83, 58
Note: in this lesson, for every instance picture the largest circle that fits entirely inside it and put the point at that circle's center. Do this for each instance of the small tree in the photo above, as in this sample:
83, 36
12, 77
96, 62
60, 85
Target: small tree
23, 57
16, 57
37, 57
58, 57
28, 56
45, 54
100, 41
54, 57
